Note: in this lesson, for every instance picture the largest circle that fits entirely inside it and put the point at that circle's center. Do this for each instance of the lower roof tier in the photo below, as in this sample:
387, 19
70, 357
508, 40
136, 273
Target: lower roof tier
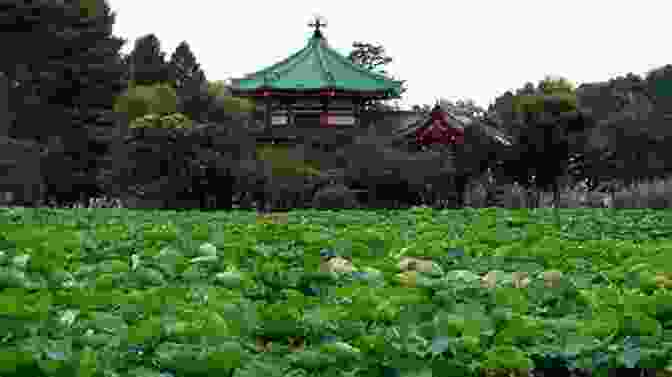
322, 93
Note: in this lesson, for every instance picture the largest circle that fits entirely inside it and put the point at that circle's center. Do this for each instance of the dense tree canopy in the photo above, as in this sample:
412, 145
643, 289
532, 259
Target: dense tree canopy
140, 100
64, 71
71, 69
223, 106
541, 120
628, 143
73, 74
373, 58
189, 81
147, 62
184, 68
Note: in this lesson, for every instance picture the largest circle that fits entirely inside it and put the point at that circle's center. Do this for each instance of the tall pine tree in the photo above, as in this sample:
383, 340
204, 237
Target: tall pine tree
184, 68
64, 71
190, 82
147, 62
64, 65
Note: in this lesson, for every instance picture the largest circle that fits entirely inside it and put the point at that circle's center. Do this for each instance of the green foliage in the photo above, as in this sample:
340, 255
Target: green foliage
187, 73
556, 95
660, 81
147, 62
560, 102
227, 103
550, 85
235, 105
91, 8
545, 118
369, 56
138, 101
333, 197
282, 162
170, 121
190, 82
131, 293
373, 58
217, 88
82, 81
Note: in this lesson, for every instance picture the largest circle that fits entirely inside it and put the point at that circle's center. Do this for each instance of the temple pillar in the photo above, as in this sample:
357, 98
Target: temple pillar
267, 114
290, 115
5, 120
356, 110
325, 108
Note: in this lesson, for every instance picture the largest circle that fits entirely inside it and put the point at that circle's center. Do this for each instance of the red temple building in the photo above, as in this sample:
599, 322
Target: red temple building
441, 127
438, 128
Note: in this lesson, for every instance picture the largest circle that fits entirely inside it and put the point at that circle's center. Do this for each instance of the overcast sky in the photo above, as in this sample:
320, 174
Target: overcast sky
443, 49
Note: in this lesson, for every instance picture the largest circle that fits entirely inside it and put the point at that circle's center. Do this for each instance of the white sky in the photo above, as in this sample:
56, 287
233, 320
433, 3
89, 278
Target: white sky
473, 49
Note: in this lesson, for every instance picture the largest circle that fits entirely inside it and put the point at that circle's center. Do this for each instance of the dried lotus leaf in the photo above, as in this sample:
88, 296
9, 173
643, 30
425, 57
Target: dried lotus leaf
490, 279
272, 218
421, 265
426, 266
520, 279
552, 278
337, 265
406, 264
407, 279
663, 281
296, 344
263, 344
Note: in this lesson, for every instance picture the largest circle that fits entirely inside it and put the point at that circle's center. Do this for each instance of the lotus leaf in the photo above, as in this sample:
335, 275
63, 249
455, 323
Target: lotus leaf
463, 275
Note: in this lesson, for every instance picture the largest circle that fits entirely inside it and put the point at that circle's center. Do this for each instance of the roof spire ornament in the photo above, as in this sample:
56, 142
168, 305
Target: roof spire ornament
318, 22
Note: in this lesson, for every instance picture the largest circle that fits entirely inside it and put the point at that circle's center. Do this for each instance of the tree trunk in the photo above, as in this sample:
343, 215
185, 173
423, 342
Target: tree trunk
556, 194
460, 189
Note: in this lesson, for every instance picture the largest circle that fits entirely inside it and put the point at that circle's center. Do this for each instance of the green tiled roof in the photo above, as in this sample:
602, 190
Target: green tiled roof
317, 67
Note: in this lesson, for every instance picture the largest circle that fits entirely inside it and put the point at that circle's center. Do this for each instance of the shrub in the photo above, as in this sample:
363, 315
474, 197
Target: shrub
283, 163
656, 194
176, 120
98, 202
138, 101
335, 197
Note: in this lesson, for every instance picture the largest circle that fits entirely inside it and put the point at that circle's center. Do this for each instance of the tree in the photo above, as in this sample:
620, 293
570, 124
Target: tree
140, 100
422, 109
466, 107
369, 56
184, 68
64, 71
553, 85
147, 62
223, 106
189, 82
659, 85
545, 117
629, 141
373, 58
73, 66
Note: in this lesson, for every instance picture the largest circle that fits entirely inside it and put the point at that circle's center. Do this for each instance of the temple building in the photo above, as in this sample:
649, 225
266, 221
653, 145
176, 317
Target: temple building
314, 91
442, 127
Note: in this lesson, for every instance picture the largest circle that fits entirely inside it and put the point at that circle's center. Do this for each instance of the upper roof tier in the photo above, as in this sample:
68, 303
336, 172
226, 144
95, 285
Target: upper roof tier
314, 69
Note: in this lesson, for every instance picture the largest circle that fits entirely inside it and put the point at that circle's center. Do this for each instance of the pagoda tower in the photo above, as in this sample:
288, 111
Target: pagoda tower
313, 89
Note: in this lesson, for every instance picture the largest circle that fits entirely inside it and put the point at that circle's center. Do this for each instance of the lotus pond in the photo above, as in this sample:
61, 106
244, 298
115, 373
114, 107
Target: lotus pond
420, 292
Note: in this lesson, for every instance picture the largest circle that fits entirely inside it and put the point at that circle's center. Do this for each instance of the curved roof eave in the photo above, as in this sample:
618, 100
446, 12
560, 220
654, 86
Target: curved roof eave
395, 84
324, 53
